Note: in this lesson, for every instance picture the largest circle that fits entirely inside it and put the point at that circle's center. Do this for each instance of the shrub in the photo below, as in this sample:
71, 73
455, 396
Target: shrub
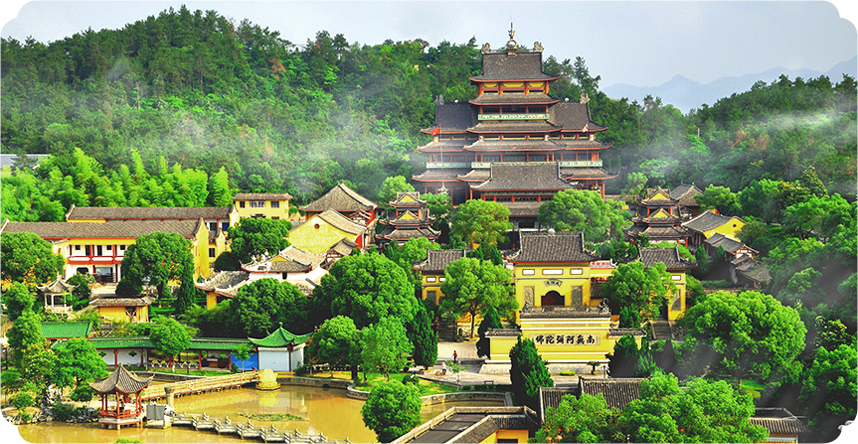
22, 400
82, 393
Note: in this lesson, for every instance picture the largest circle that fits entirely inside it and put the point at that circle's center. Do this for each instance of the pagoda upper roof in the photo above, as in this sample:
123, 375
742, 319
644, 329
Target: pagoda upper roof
658, 196
281, 338
520, 66
584, 173
58, 286
441, 175
685, 193
537, 144
514, 99
453, 117
442, 145
408, 199
573, 116
340, 198
408, 233
514, 127
120, 381
524, 176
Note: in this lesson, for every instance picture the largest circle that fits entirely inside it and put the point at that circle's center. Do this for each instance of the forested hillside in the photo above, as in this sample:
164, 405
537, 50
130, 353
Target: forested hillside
236, 106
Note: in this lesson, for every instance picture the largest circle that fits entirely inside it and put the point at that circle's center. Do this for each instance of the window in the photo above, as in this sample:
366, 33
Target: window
211, 252
442, 279
552, 271
257, 204
275, 217
241, 204
109, 248
528, 272
275, 204
77, 248
576, 271
213, 226
122, 247
674, 277
224, 226
430, 279
432, 295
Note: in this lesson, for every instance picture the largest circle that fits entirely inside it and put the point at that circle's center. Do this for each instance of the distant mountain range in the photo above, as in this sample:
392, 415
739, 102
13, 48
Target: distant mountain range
686, 94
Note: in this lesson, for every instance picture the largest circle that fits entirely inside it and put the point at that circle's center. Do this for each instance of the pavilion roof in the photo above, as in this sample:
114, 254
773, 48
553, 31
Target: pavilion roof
108, 213
564, 246
281, 338
57, 287
668, 256
514, 98
521, 66
437, 260
685, 193
120, 381
573, 116
340, 198
66, 330
524, 176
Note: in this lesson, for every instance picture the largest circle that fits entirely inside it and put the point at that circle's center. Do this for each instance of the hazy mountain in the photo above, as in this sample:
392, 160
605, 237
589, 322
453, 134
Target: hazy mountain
685, 94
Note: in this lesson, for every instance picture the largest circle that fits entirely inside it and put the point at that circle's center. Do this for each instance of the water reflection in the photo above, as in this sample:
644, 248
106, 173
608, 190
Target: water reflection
327, 411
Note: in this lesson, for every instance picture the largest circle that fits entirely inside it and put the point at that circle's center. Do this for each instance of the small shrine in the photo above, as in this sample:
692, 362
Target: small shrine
408, 219
55, 292
128, 407
282, 350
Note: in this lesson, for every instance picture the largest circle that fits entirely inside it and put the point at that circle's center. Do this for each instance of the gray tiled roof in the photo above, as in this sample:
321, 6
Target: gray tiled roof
583, 173
573, 116
224, 279
437, 260
475, 176
685, 193
522, 209
707, 221
513, 127
454, 117
779, 421
147, 212
340, 198
441, 175
668, 256
524, 176
513, 98
753, 270
343, 247
522, 66
130, 229
729, 245
674, 232
122, 381
445, 146
405, 233
109, 301
617, 391
262, 196
515, 145
564, 246
550, 397
341, 222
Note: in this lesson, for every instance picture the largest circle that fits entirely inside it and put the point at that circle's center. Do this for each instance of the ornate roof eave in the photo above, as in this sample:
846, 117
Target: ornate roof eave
588, 148
547, 102
605, 177
542, 131
544, 79
589, 130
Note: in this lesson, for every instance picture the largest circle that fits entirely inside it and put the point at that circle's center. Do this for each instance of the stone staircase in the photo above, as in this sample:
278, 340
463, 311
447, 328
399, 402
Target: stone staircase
660, 330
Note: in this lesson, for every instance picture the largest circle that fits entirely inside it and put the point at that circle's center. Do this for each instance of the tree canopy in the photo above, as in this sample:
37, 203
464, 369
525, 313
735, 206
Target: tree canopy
336, 343
260, 305
28, 258
392, 410
423, 338
638, 288
584, 210
77, 362
828, 392
255, 236
367, 288
169, 336
155, 259
528, 372
478, 221
580, 419
471, 287
385, 346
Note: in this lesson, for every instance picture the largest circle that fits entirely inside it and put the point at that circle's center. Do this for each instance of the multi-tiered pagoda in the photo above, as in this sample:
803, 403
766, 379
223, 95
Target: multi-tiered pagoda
516, 123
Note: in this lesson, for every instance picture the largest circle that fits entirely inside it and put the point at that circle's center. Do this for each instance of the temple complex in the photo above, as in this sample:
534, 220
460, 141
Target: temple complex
514, 132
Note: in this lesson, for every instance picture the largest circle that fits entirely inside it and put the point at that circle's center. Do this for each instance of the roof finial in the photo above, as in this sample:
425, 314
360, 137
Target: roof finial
511, 45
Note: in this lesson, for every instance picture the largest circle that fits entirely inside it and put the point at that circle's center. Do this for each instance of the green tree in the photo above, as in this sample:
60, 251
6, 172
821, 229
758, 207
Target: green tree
828, 391
77, 362
638, 288
260, 305
471, 286
79, 297
491, 319
255, 236
391, 186
219, 194
635, 187
413, 251
337, 343
17, 300
719, 198
707, 411
579, 419
26, 331
366, 288
28, 258
385, 346
392, 410
527, 373
584, 210
170, 337
242, 352
38, 364
156, 259
745, 335
423, 338
624, 361
481, 222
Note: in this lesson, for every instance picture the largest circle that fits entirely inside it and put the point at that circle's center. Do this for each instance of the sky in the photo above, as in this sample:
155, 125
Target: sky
638, 43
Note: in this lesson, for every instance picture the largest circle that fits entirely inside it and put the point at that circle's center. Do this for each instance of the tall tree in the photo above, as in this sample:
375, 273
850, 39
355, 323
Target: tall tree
392, 410
26, 331
385, 346
584, 210
337, 343
527, 373
828, 391
745, 335
17, 299
389, 188
580, 419
260, 305
478, 221
423, 338
77, 362
28, 258
471, 287
638, 288
721, 199
625, 358
156, 259
169, 337
366, 288
255, 236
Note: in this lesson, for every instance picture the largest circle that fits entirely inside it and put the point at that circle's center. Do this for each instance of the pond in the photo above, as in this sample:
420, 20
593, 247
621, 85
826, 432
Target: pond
327, 411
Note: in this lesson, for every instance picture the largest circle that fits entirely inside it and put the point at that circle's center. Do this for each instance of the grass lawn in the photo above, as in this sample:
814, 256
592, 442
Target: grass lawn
425, 387
752, 387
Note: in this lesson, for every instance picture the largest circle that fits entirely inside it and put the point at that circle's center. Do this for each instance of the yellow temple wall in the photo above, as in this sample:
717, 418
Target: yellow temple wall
729, 229
118, 313
539, 279
266, 210
317, 240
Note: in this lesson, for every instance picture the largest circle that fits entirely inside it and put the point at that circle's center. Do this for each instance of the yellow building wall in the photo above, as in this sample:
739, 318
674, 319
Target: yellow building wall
730, 229
267, 210
432, 286
520, 435
200, 251
681, 290
118, 313
317, 240
543, 283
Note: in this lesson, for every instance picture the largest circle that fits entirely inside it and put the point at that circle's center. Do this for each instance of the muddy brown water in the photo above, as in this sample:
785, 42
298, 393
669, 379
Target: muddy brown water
326, 411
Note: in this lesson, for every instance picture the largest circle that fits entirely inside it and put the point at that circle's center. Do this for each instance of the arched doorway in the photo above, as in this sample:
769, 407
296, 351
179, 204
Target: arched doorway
552, 298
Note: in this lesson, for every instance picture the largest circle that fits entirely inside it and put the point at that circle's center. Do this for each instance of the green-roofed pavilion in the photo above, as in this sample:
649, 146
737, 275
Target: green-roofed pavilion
281, 350
54, 331
281, 338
